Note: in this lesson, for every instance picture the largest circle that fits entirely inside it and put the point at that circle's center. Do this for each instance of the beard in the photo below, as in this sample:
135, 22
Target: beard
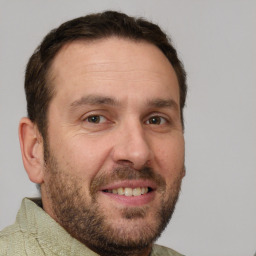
82, 216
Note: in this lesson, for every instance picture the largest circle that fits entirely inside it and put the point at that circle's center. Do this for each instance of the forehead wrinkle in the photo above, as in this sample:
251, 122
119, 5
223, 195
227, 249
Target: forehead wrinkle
115, 67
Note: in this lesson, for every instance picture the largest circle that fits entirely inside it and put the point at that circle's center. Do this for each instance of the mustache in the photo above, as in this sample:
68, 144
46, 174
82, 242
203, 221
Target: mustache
122, 173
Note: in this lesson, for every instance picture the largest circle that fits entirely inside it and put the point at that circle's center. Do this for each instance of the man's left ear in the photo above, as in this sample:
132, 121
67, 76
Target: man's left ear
31, 144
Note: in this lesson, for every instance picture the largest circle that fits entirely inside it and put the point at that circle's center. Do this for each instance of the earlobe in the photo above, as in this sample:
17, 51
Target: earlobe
31, 144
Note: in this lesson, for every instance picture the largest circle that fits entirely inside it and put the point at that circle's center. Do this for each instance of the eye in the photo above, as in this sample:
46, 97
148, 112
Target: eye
95, 119
156, 120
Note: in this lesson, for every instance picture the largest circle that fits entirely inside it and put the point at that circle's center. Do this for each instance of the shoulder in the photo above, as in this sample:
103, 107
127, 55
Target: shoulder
159, 250
12, 241
17, 239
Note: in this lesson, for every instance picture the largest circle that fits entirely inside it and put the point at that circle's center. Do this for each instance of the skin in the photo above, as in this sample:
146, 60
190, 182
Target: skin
116, 105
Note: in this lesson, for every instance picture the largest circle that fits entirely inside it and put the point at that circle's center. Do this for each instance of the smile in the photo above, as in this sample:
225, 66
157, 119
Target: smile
129, 191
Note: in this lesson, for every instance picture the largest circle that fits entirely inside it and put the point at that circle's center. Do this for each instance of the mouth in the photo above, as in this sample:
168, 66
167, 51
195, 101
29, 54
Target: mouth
128, 191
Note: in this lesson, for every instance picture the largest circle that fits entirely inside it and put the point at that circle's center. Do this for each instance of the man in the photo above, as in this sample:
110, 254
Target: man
103, 139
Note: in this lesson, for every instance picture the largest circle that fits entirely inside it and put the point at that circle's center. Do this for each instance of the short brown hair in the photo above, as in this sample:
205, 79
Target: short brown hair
94, 26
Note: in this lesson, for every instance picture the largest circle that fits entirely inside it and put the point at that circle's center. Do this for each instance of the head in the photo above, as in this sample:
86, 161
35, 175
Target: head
104, 138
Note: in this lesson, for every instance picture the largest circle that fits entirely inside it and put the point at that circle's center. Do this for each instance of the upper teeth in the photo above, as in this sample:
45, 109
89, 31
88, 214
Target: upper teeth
129, 191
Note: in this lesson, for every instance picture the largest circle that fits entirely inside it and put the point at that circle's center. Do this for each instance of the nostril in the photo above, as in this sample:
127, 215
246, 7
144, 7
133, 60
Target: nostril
131, 152
125, 162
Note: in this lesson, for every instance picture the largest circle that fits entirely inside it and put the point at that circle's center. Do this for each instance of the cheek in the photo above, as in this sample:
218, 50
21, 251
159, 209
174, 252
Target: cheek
170, 157
84, 155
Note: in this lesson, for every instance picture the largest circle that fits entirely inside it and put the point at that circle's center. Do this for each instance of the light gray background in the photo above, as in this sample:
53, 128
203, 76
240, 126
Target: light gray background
216, 214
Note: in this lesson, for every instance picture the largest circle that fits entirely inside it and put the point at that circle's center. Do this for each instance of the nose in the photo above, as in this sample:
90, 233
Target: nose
132, 147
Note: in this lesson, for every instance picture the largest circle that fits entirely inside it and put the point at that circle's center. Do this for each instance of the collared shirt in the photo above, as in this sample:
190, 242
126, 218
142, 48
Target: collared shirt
35, 233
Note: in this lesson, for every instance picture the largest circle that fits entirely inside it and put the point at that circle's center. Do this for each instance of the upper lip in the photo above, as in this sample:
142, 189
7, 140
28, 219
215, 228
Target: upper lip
130, 184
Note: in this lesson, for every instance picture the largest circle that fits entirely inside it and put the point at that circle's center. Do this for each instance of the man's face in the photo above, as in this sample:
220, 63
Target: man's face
115, 147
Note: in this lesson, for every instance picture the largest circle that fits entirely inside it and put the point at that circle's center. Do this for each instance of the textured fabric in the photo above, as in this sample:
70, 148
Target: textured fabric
35, 233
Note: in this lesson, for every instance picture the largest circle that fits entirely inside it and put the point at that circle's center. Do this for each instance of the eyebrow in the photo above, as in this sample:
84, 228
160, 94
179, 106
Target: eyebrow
104, 100
163, 103
94, 100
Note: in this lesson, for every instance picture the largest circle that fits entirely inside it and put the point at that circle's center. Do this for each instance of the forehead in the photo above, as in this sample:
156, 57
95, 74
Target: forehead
111, 64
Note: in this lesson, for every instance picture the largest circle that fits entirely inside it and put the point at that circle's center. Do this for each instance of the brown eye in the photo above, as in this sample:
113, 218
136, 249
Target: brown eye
156, 120
96, 119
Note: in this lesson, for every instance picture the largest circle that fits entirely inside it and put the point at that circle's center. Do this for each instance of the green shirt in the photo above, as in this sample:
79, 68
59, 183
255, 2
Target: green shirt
35, 233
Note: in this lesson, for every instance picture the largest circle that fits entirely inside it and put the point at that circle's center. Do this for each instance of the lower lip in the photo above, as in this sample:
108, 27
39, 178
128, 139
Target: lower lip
131, 200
